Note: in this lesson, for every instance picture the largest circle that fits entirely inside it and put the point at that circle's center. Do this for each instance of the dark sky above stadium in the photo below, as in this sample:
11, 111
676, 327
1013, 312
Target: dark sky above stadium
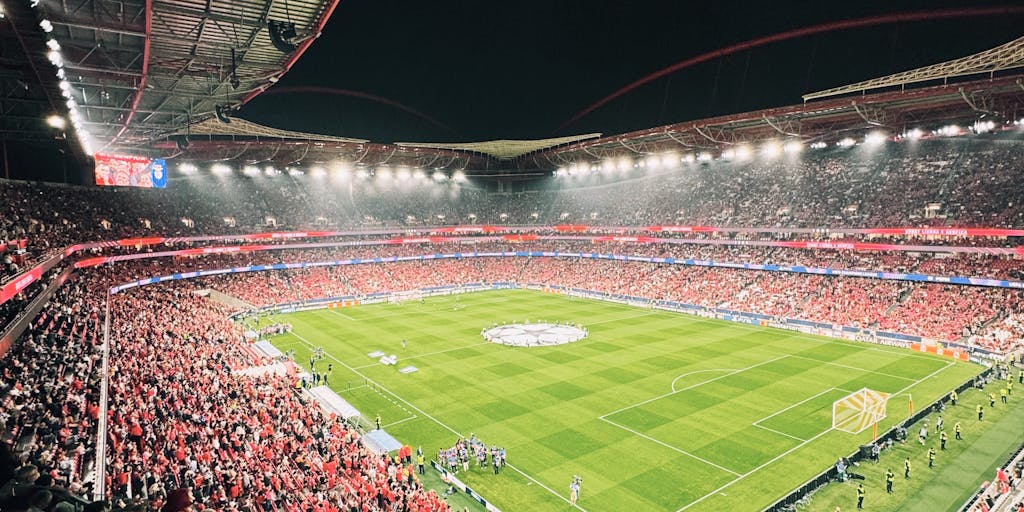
519, 69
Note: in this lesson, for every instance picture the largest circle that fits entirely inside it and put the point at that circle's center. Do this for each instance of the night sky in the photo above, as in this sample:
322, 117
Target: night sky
519, 69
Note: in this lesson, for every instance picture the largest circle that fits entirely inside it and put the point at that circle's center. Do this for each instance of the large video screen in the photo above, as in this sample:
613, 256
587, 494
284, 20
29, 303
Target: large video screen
130, 171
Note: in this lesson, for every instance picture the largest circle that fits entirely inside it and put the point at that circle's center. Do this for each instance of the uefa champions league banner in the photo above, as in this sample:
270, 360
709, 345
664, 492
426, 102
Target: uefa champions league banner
996, 283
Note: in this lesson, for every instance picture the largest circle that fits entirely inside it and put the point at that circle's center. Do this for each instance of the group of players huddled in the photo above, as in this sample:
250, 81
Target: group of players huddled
466, 450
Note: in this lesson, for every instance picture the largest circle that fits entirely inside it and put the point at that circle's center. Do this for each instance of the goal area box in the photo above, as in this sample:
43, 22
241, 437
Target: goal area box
859, 410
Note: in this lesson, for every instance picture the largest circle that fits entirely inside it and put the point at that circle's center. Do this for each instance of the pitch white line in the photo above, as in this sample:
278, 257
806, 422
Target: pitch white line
791, 450
733, 370
776, 413
840, 365
435, 420
779, 432
659, 397
399, 421
649, 313
670, 447
339, 313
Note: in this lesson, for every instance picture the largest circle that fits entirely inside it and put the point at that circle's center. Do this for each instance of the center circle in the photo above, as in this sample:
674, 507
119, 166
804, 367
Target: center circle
542, 334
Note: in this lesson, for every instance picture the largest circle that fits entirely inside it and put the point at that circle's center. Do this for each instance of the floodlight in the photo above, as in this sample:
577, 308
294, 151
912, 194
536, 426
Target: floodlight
704, 157
251, 170
669, 160
187, 168
403, 173
383, 172
625, 163
56, 121
793, 147
53, 45
729, 154
459, 176
317, 172
361, 173
295, 171
46, 26
223, 113
771, 149
438, 176
818, 145
846, 142
55, 58
914, 134
418, 173
270, 170
220, 169
875, 138
282, 35
689, 158
743, 152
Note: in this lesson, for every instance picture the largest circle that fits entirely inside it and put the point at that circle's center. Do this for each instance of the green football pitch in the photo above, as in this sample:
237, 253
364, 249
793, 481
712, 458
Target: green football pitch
654, 410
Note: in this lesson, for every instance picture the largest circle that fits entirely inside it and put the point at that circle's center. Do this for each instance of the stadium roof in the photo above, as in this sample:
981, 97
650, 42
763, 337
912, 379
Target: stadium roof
1000, 58
135, 70
503, 149
998, 99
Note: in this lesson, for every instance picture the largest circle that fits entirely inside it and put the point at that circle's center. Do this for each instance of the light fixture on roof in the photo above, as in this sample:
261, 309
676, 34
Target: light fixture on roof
438, 176
771, 149
53, 44
914, 134
46, 25
55, 121
251, 170
187, 168
875, 138
743, 152
846, 142
793, 147
55, 58
818, 145
282, 35
220, 169
459, 176
223, 113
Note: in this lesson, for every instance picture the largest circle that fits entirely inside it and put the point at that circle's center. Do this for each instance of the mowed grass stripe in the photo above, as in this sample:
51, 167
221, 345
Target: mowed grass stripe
543, 404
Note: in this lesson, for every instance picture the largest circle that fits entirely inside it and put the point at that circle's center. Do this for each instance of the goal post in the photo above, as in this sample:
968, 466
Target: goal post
859, 410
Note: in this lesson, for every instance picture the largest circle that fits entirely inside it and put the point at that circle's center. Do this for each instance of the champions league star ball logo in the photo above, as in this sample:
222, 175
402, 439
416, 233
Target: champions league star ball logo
158, 172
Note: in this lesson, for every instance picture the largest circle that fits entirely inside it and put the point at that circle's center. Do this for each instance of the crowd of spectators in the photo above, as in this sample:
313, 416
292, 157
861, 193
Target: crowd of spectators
933, 183
49, 405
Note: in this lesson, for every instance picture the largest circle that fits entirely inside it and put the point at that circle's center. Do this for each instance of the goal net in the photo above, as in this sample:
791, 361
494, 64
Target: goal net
859, 410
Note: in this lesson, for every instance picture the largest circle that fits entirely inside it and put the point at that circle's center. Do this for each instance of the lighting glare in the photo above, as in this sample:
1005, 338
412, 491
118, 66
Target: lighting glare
459, 176
846, 142
317, 172
53, 45
294, 171
914, 134
55, 58
251, 170
771, 149
187, 168
56, 121
743, 152
793, 147
875, 138
220, 169
46, 26
438, 176
818, 145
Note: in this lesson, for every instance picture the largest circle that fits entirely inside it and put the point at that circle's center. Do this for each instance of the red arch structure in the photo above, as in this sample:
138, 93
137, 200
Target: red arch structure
870, 21
357, 94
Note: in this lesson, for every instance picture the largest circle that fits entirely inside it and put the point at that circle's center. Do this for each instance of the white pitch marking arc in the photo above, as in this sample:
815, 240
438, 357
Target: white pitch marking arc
687, 374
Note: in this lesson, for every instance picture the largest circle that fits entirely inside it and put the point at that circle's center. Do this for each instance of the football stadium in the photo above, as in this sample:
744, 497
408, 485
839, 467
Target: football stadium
668, 257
